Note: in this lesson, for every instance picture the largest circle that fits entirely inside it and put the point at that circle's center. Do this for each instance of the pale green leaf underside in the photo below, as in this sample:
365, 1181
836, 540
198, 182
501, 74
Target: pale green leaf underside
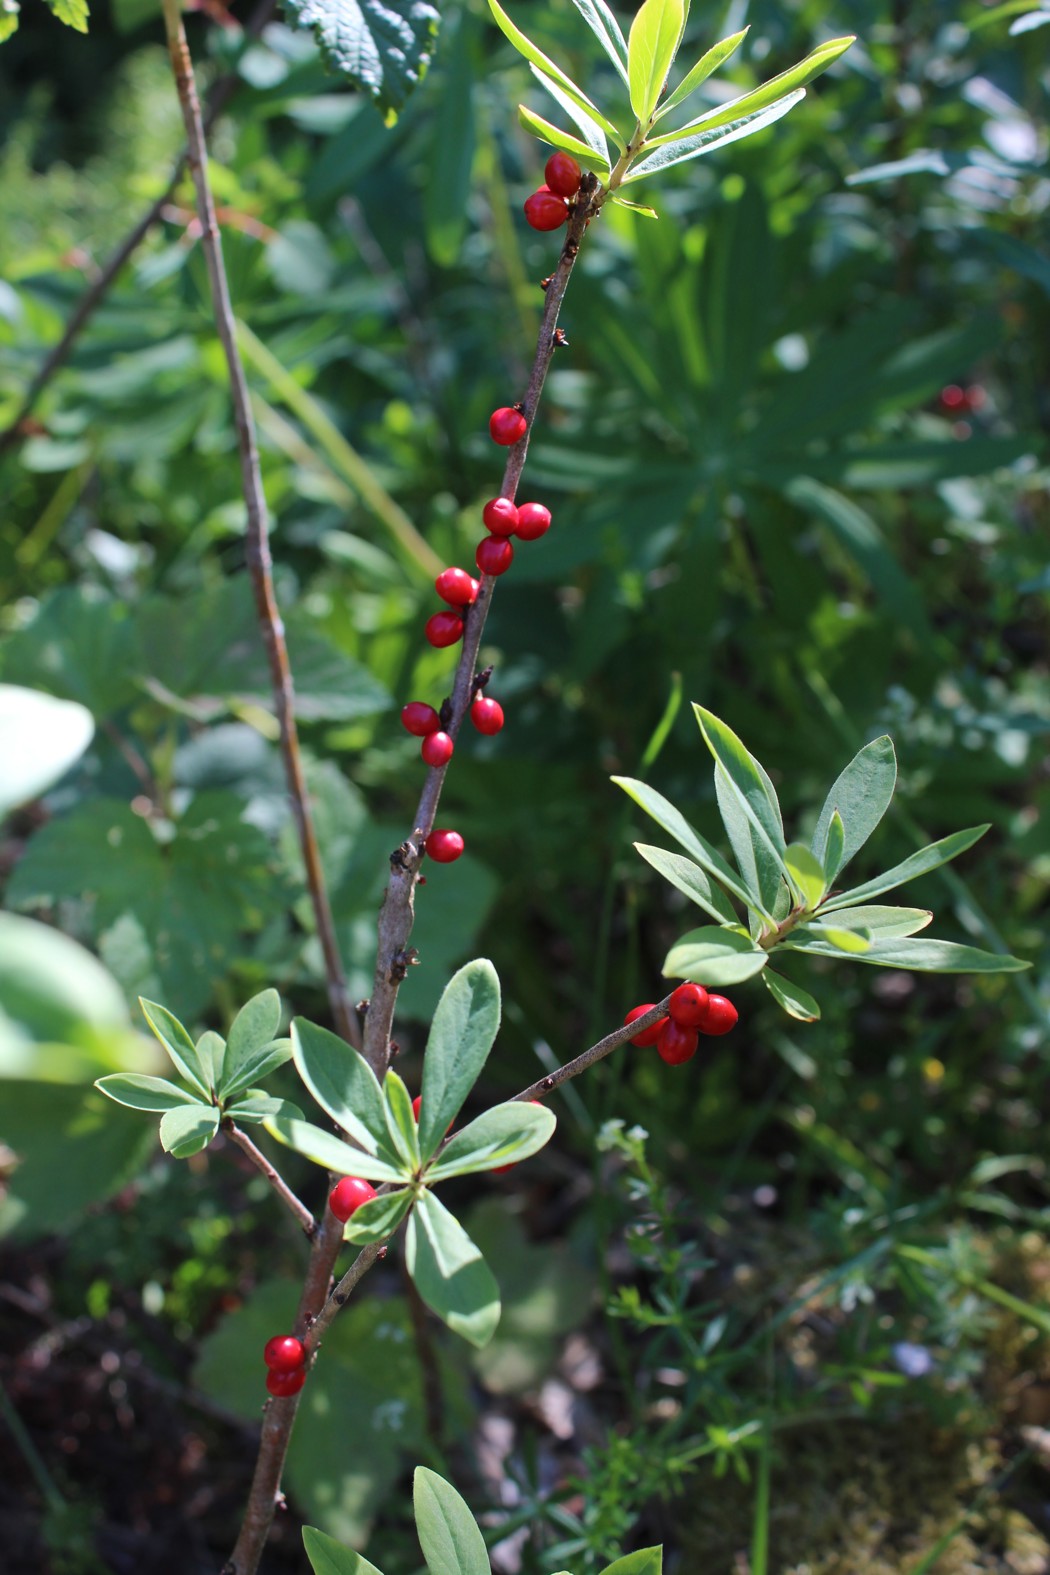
561, 139
588, 128
714, 956
324, 1149
606, 30
448, 1533
691, 880
188, 1129
344, 1085
705, 67
692, 147
861, 794
795, 1001
139, 1092
921, 863
919, 956
501, 1136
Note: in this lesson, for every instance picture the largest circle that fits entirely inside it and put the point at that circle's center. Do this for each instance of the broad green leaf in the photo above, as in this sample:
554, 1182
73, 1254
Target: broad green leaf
42, 737
705, 67
561, 139
834, 846
840, 940
807, 873
74, 13
651, 46
211, 1048
329, 1557
606, 30
795, 1001
257, 1065
918, 955
501, 1136
883, 922
379, 1217
449, 1272
139, 1092
531, 52
921, 863
756, 859
448, 1533
714, 956
673, 822
679, 150
589, 130
462, 1033
862, 795
177, 1043
187, 1129
690, 879
255, 1025
400, 1119
647, 1561
257, 1105
344, 1085
325, 1149
383, 49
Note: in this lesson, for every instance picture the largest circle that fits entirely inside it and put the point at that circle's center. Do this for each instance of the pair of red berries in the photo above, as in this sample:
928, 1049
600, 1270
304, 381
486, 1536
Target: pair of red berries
548, 208
691, 1012
285, 1356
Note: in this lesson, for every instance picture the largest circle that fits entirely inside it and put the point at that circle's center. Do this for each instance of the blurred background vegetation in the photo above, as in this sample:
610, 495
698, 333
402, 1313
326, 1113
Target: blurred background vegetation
791, 1313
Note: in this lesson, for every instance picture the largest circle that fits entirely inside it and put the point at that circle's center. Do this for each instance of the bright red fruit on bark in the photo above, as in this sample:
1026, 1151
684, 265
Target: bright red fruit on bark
545, 210
494, 555
676, 1044
444, 628
419, 719
486, 715
282, 1385
284, 1353
500, 517
721, 1015
533, 521
348, 1195
563, 174
444, 847
507, 425
688, 1005
456, 587
437, 749
648, 1036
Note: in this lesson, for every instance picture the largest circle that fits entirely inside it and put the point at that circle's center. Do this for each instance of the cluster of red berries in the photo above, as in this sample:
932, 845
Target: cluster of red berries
691, 1012
960, 401
285, 1356
548, 208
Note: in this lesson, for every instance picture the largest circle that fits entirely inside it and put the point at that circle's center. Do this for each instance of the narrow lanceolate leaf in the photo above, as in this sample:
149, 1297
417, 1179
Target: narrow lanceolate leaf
921, 863
834, 846
448, 1533
383, 47
861, 795
748, 777
606, 30
882, 923
757, 859
675, 823
673, 150
400, 1119
840, 940
257, 1105
379, 1217
651, 46
589, 129
533, 53
647, 1561
714, 956
462, 1033
796, 1002
691, 880
177, 1043
561, 139
917, 955
211, 1051
806, 872
188, 1129
344, 1085
705, 67
501, 1136
332, 1152
449, 1272
329, 1557
144, 1093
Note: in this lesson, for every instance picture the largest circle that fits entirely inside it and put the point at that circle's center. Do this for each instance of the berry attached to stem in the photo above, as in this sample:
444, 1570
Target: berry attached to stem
419, 719
494, 555
545, 210
456, 587
486, 715
444, 847
648, 1036
500, 517
347, 1196
284, 1353
437, 749
688, 1005
721, 1016
283, 1385
563, 174
444, 628
533, 521
676, 1044
507, 426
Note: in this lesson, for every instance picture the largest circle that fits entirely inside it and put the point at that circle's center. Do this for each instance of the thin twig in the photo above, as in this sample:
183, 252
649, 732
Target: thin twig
280, 1186
597, 1052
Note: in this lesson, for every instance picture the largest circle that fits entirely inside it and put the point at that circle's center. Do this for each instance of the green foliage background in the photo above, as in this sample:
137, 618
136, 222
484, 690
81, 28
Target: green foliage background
755, 487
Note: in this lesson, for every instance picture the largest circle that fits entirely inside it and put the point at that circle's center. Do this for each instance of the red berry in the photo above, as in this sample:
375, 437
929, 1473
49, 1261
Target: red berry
285, 1384
284, 1353
494, 555
721, 1015
444, 628
954, 398
347, 1196
533, 521
456, 587
444, 846
437, 749
563, 174
976, 397
676, 1044
420, 719
416, 1104
500, 517
648, 1036
688, 1004
486, 715
545, 210
507, 426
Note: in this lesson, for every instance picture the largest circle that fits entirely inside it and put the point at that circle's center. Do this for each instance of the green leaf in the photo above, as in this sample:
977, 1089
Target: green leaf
606, 30
647, 1561
748, 778
345, 1086
835, 843
883, 922
188, 1129
918, 956
651, 46
635, 207
795, 1001
43, 737
449, 1272
501, 1136
257, 1105
177, 1043
448, 1533
325, 1149
211, 1048
862, 795
714, 956
400, 1119
679, 149
562, 139
589, 129
384, 49
257, 1065
665, 815
806, 872
532, 53
329, 1557
462, 1033
840, 940
255, 1025
757, 861
379, 1217
9, 12
139, 1092
689, 879
74, 13
705, 67
921, 863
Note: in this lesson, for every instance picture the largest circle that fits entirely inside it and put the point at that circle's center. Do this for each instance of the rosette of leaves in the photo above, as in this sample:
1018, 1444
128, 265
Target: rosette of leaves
450, 1537
633, 139
787, 891
220, 1075
410, 1158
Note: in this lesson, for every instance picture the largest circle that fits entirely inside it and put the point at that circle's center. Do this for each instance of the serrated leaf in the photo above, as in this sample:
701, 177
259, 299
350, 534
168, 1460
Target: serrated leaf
806, 872
796, 1002
344, 1085
74, 13
448, 1533
561, 139
705, 67
400, 1119
383, 46
678, 151
449, 1272
177, 1043
589, 129
331, 1152
329, 1557
691, 880
188, 1129
929, 858
139, 1092
535, 55
501, 1136
462, 1034
651, 46
606, 30
666, 815
379, 1217
861, 794
714, 956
